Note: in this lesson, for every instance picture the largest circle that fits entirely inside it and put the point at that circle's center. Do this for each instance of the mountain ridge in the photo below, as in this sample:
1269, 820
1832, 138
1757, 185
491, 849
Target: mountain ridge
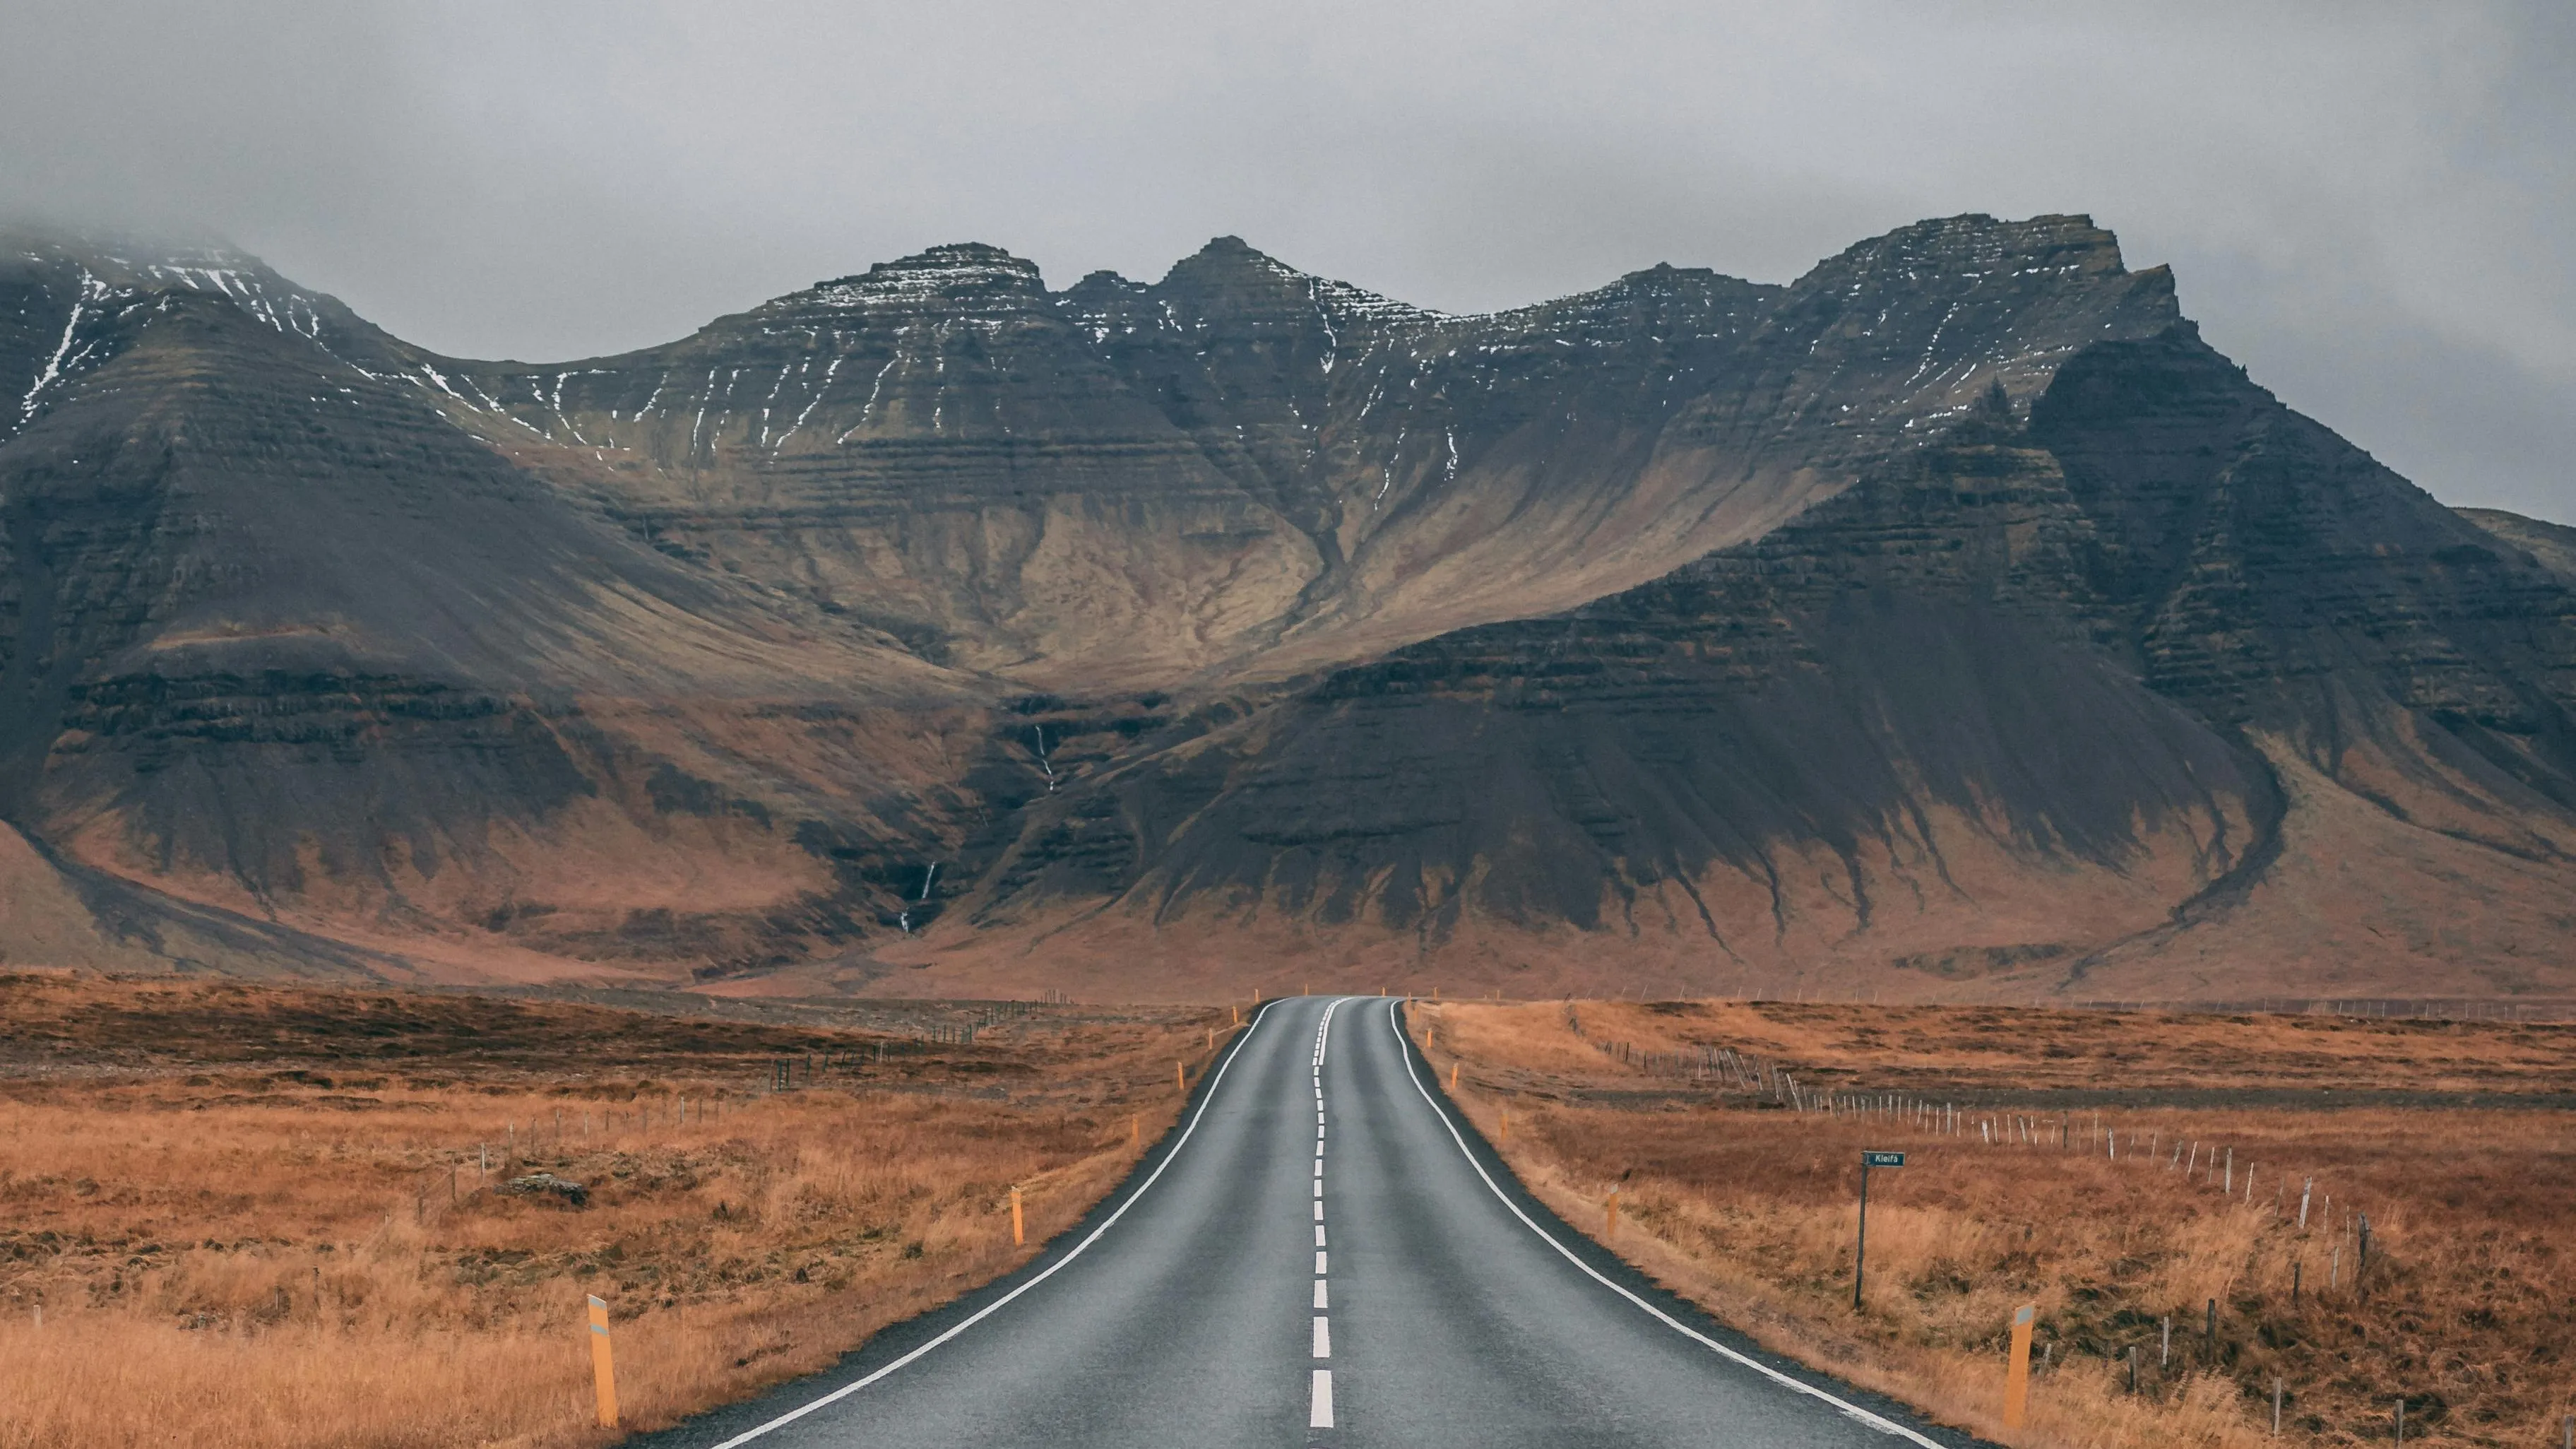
926, 624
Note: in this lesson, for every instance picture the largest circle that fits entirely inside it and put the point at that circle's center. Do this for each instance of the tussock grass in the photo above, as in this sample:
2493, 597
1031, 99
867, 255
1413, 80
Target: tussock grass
230, 1248
2469, 1309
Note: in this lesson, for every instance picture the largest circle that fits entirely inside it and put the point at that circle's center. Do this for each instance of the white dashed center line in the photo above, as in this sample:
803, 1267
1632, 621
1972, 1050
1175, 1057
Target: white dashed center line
1319, 1413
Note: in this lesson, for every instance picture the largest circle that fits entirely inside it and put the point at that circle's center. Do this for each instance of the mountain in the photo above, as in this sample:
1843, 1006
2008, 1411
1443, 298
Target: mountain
1951, 621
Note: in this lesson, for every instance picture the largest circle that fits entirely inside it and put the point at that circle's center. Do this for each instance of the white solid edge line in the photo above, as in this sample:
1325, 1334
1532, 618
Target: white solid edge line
988, 1310
1879, 1422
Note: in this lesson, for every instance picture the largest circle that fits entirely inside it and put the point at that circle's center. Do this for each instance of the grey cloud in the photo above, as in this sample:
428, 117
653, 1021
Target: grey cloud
2369, 205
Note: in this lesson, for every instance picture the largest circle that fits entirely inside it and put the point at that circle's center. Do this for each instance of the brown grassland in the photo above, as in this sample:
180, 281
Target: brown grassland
237, 1215
2456, 1140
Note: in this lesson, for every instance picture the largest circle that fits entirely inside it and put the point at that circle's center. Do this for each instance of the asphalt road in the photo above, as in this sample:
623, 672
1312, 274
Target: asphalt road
1320, 1254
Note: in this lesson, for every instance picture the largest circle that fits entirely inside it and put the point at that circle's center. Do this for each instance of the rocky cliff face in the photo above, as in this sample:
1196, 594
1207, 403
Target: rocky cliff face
1246, 471
1953, 604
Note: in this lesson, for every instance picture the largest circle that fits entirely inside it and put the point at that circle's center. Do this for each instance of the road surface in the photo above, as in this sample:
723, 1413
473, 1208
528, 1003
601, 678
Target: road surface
1320, 1254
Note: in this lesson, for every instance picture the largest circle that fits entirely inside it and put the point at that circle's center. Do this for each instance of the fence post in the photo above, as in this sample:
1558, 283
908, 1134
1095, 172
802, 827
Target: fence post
2276, 1408
603, 1369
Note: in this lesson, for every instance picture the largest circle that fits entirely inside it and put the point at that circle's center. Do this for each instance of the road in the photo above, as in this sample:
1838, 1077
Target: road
1318, 1254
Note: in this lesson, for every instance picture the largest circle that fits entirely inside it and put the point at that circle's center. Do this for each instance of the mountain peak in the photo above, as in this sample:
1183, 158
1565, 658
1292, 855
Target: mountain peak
1227, 259
958, 276
1978, 245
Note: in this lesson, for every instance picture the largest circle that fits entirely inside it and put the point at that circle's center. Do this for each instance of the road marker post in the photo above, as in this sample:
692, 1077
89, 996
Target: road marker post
1180, 1077
1860, 1251
1506, 1134
603, 1368
2017, 1376
1453, 1077
1016, 1234
1135, 1129
1610, 1215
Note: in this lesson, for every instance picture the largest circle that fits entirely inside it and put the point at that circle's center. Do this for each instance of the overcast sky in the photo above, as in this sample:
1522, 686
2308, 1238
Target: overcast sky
2372, 207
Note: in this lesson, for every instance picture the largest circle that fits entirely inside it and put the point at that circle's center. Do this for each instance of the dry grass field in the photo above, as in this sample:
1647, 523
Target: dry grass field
240, 1215
2119, 1170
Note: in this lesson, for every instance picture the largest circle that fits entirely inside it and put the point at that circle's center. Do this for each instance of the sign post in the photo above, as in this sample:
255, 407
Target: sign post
1860, 1255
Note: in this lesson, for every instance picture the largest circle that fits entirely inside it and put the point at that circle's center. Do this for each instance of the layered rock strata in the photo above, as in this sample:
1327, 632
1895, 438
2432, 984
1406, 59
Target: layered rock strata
1952, 604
